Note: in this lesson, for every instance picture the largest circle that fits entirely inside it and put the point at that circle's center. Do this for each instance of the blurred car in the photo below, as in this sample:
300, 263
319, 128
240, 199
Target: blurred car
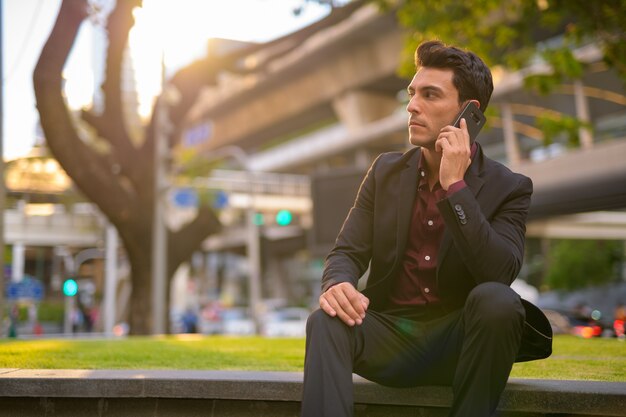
572, 323
236, 321
230, 321
587, 331
210, 321
590, 323
176, 322
286, 322
619, 327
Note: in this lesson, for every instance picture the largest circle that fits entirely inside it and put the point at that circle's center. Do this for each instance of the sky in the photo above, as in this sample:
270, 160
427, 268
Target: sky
178, 30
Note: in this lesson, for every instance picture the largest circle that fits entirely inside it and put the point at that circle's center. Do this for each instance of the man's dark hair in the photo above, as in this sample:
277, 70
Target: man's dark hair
472, 77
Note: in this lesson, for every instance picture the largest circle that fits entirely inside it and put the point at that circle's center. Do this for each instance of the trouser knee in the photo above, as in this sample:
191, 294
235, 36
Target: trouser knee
494, 303
320, 323
329, 336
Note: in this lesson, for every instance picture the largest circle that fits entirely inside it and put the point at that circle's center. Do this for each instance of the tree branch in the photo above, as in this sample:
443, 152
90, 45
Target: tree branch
82, 164
118, 27
97, 122
189, 238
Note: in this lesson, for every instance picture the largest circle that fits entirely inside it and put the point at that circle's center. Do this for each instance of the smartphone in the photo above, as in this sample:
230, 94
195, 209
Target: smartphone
474, 118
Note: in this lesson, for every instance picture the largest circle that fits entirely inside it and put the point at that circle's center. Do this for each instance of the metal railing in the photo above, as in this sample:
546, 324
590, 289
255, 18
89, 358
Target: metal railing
262, 183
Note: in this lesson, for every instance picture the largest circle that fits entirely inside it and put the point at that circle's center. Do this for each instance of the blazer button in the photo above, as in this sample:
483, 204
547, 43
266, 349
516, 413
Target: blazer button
463, 221
458, 208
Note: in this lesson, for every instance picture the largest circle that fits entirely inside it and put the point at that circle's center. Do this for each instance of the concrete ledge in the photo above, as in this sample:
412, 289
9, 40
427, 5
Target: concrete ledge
225, 393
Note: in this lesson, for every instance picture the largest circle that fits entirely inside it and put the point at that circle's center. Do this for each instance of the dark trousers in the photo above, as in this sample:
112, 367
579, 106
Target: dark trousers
473, 349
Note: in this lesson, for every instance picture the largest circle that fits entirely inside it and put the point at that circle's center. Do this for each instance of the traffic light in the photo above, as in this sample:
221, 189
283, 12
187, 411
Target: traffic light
283, 218
258, 219
70, 287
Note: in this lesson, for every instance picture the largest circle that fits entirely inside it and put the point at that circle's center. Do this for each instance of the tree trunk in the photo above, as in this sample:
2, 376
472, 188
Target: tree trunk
120, 182
141, 319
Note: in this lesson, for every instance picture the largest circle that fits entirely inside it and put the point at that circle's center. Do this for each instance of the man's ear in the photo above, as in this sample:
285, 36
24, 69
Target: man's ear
476, 102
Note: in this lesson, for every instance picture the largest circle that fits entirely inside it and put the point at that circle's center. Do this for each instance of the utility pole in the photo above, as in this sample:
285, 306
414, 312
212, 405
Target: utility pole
253, 244
110, 279
159, 227
2, 186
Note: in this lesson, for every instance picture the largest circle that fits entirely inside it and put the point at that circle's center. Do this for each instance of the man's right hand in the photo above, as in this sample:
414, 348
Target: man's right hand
346, 302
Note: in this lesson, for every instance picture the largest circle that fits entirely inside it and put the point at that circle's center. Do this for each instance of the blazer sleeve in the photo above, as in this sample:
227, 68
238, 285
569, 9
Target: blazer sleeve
350, 257
491, 248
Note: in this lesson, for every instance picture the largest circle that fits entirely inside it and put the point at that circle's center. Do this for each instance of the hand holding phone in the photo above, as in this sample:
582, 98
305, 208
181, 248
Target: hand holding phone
474, 118
455, 155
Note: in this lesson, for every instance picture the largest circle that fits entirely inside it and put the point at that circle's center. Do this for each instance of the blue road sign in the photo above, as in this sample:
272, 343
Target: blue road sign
12, 290
198, 135
185, 197
221, 200
26, 289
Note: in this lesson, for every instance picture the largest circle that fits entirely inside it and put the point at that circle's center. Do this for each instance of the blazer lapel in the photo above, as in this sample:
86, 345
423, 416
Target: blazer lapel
406, 198
475, 184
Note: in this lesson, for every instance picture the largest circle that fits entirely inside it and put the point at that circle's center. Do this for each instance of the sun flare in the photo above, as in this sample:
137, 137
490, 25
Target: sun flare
175, 33
170, 34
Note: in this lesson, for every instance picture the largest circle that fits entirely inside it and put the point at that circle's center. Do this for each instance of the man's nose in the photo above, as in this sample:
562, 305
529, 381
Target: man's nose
413, 105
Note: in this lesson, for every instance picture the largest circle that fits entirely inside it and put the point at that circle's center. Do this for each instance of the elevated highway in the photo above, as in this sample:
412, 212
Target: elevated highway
53, 229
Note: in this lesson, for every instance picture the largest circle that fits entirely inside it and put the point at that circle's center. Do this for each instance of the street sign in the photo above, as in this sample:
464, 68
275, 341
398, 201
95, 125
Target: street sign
185, 197
221, 200
198, 135
26, 289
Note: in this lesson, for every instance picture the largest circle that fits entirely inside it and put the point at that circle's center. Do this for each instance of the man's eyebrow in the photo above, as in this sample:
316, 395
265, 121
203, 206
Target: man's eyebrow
431, 87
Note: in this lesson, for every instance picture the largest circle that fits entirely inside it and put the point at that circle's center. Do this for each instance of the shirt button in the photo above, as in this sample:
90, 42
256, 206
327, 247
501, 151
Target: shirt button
423, 173
430, 222
426, 290
427, 257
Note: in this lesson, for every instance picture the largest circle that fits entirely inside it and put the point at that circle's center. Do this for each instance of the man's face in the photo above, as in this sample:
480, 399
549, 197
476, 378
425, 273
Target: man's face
433, 104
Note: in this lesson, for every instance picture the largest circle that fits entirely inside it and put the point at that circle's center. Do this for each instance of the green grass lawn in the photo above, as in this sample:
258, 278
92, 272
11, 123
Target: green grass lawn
576, 358
573, 358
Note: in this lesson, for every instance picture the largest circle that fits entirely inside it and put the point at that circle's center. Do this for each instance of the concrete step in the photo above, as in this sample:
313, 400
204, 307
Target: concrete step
164, 393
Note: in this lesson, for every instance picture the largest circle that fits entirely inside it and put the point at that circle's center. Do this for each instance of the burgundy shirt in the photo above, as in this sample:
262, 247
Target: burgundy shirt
416, 283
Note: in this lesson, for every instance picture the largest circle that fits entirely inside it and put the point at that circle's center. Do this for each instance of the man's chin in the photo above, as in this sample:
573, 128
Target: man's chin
418, 141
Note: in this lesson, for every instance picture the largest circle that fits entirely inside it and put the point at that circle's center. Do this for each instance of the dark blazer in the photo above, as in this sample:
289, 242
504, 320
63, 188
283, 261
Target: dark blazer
483, 239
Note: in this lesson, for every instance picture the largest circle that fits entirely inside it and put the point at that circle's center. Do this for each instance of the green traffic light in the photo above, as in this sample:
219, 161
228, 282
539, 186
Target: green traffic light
70, 288
258, 219
283, 218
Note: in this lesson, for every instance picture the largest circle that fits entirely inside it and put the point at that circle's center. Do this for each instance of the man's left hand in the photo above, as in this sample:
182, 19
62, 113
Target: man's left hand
454, 144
